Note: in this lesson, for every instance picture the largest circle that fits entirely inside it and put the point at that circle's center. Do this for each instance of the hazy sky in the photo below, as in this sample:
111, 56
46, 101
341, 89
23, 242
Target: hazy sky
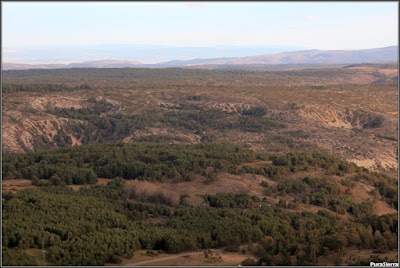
324, 25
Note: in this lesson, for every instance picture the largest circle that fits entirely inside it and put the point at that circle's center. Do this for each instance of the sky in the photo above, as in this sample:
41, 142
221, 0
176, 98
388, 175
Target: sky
319, 25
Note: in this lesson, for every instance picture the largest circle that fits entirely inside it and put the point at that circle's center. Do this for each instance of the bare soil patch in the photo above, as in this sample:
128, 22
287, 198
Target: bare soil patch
381, 208
225, 183
361, 191
353, 255
15, 185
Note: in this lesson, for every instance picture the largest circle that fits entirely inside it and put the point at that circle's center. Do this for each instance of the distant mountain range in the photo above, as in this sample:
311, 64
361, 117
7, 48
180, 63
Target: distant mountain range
386, 54
149, 54
86, 64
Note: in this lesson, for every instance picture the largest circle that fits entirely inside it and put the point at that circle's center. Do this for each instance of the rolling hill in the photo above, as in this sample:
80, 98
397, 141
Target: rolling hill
386, 54
86, 64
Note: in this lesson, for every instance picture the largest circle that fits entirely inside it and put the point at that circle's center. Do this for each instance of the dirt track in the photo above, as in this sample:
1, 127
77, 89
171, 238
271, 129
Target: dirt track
174, 256
166, 258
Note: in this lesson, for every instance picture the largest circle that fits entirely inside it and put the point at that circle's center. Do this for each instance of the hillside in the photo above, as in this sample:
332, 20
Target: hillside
188, 198
164, 166
330, 110
386, 54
